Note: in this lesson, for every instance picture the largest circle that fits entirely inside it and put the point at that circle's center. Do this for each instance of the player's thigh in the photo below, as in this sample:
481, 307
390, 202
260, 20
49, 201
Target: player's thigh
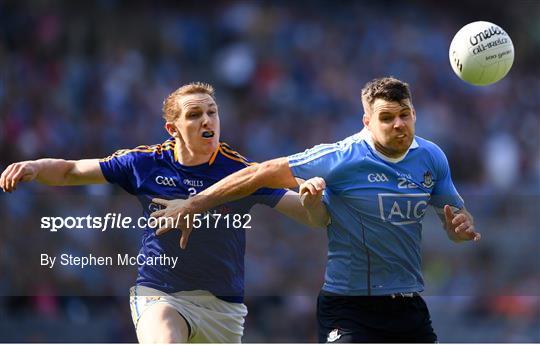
161, 323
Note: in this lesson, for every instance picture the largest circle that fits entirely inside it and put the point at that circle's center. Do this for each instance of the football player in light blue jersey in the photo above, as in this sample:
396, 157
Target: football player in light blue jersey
378, 184
201, 298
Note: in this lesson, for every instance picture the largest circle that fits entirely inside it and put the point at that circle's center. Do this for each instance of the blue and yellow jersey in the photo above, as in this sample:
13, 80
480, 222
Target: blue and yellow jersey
214, 257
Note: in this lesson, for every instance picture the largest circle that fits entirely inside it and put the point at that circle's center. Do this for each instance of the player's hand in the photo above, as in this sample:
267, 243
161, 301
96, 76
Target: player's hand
460, 226
18, 172
311, 192
173, 216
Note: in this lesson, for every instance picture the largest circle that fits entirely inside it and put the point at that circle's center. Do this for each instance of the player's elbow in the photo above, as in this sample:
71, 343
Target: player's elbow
274, 173
261, 175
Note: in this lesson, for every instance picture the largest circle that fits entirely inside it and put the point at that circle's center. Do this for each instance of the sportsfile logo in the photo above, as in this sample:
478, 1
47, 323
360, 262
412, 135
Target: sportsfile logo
165, 181
117, 221
402, 209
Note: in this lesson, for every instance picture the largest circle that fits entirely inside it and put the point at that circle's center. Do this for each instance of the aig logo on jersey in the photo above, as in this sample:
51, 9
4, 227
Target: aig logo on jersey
401, 209
377, 177
165, 181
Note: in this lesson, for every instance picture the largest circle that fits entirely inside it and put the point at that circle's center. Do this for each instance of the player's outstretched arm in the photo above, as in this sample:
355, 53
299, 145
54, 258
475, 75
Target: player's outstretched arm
274, 173
306, 206
53, 172
459, 225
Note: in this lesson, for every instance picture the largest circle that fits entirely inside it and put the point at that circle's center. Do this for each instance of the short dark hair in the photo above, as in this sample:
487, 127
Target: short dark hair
387, 88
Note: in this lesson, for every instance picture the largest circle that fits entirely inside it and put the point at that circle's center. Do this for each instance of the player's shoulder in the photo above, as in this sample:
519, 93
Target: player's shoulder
164, 150
428, 145
433, 150
225, 155
355, 145
349, 145
357, 140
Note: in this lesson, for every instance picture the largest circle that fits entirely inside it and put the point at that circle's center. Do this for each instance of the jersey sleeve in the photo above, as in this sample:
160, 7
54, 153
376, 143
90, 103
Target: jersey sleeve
268, 196
120, 168
236, 162
444, 192
319, 161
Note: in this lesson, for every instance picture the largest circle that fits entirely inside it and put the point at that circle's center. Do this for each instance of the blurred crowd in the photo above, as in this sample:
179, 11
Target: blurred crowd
83, 79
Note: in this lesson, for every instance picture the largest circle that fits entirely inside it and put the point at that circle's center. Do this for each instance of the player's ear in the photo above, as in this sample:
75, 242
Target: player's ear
365, 120
171, 129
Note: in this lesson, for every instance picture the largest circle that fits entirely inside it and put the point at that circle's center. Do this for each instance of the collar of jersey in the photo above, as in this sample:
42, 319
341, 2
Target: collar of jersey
365, 135
210, 162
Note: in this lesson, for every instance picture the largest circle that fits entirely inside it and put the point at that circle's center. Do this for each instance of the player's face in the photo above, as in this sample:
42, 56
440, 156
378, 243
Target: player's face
198, 124
392, 126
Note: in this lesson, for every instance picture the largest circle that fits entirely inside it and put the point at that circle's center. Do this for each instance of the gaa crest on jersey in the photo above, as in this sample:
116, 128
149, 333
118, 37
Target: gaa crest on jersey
428, 180
333, 336
165, 181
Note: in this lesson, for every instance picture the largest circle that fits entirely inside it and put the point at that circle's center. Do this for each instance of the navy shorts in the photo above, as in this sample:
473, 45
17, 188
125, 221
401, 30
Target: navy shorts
373, 319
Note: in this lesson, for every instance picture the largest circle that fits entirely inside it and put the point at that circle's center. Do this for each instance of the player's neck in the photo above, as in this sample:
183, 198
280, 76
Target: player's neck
381, 151
388, 153
187, 157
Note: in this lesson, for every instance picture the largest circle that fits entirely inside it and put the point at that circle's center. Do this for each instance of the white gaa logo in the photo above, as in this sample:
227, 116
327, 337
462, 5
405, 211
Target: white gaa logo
165, 181
377, 178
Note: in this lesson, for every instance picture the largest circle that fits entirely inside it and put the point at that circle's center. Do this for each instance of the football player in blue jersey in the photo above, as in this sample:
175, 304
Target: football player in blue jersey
200, 299
379, 183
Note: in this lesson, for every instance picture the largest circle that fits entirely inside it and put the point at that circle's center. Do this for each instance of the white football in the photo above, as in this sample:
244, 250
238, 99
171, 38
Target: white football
481, 53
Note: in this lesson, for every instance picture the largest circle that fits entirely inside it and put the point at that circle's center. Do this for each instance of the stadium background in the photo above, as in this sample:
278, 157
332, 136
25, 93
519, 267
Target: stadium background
80, 80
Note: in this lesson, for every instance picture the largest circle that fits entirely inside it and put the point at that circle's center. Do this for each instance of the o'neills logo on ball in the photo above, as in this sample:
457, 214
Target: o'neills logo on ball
484, 35
476, 41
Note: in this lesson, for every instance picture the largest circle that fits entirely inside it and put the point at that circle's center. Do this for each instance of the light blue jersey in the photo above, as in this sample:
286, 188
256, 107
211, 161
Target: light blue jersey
376, 205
